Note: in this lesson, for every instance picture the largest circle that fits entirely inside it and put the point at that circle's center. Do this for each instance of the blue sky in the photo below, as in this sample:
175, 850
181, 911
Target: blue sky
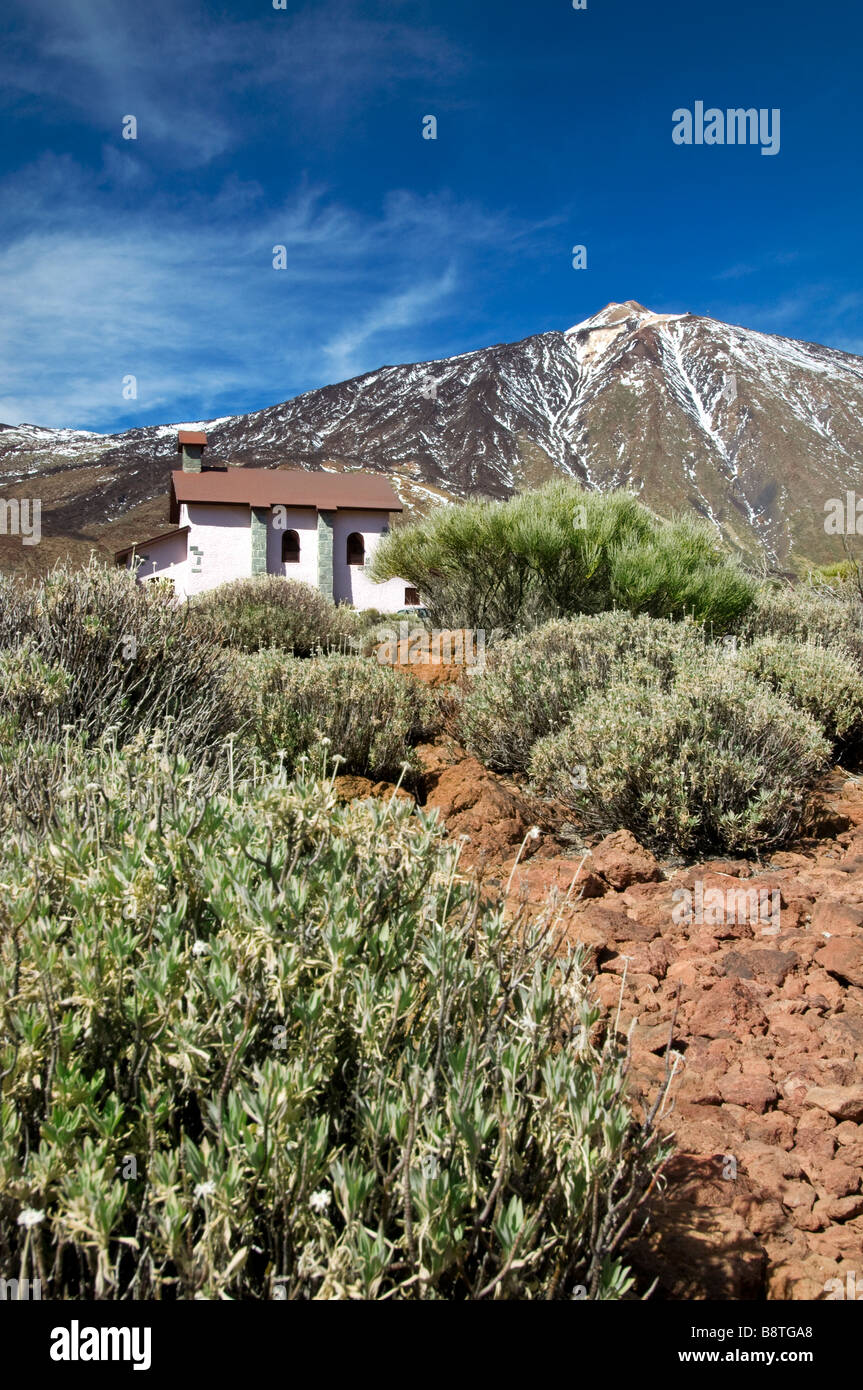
302, 127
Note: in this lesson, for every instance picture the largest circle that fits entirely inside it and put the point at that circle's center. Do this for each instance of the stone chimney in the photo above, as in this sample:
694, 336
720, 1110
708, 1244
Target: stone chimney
191, 445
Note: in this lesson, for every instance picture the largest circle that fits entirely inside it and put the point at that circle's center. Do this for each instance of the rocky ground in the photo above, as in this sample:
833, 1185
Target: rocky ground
763, 1016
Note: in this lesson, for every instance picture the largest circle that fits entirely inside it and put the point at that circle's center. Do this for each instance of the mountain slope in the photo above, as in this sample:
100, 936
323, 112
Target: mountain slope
752, 431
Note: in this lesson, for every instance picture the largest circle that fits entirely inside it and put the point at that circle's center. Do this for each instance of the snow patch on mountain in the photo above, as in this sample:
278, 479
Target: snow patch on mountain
752, 430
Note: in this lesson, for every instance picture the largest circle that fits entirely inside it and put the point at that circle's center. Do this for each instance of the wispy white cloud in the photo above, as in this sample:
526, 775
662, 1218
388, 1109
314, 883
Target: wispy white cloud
757, 265
403, 309
815, 311
136, 267
185, 75
185, 298
737, 271
781, 315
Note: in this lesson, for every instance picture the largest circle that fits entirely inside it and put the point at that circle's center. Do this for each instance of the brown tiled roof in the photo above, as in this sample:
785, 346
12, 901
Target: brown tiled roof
151, 540
190, 437
291, 487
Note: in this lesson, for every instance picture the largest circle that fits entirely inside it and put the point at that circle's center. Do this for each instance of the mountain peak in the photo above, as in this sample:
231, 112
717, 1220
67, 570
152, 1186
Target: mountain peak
752, 432
622, 315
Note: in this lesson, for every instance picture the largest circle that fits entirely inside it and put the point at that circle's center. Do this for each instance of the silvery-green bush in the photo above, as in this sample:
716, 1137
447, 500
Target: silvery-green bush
370, 714
263, 1045
717, 761
93, 649
825, 681
820, 614
90, 657
270, 611
530, 685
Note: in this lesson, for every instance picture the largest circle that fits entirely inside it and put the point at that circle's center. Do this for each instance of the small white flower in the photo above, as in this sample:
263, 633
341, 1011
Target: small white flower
30, 1217
200, 948
320, 1201
204, 1189
534, 832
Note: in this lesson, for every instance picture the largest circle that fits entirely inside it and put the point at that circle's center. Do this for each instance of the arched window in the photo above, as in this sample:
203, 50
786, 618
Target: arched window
290, 548
356, 549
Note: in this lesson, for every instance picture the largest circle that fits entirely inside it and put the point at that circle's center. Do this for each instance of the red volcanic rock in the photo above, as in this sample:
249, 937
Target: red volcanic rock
806, 1278
476, 803
840, 1208
837, 1179
567, 880
752, 1092
727, 1010
833, 918
435, 758
702, 1239
765, 964
842, 1102
622, 860
359, 788
766, 1106
441, 658
773, 1128
617, 926
843, 957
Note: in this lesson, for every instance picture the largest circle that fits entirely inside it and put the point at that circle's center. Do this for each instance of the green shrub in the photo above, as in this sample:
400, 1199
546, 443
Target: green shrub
823, 681
836, 575
268, 1043
94, 649
561, 551
531, 685
268, 611
681, 570
716, 762
369, 713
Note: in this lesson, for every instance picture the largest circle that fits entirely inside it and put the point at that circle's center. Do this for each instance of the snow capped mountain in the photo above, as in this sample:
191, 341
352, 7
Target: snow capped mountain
753, 432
